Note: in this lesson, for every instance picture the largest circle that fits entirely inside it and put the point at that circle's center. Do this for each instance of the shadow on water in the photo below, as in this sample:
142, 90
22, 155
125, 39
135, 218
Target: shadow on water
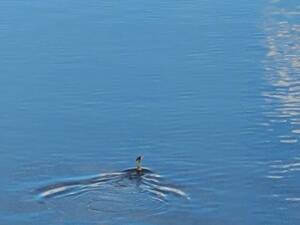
144, 181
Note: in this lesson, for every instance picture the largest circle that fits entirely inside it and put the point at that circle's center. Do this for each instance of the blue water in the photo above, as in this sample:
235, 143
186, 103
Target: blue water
208, 92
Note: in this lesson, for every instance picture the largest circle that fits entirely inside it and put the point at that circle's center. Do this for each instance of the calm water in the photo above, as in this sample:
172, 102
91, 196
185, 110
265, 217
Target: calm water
208, 92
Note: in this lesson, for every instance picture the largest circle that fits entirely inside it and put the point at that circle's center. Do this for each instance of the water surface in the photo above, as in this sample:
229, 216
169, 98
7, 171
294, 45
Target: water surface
207, 91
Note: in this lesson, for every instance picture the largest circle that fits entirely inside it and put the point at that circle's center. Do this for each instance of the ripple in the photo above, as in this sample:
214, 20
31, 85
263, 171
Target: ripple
293, 199
282, 70
280, 170
289, 141
274, 177
109, 192
283, 176
287, 166
296, 131
136, 202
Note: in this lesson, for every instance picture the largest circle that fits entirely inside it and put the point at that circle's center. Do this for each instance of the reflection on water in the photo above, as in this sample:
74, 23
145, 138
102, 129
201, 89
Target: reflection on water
282, 68
108, 186
282, 104
284, 173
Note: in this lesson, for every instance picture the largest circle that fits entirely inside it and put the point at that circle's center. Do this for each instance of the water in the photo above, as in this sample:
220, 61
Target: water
207, 91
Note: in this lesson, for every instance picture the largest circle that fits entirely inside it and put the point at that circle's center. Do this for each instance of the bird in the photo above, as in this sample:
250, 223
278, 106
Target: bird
138, 161
137, 171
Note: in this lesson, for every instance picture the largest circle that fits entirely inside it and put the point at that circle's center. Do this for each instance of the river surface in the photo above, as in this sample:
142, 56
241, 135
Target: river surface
207, 91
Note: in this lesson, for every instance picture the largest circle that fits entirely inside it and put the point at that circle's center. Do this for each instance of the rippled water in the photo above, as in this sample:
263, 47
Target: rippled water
282, 67
144, 181
207, 91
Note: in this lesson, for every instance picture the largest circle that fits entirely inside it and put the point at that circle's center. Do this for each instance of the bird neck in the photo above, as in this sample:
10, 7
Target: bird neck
138, 166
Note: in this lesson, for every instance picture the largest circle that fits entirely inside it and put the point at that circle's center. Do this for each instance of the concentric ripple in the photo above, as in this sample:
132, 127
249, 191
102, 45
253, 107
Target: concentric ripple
109, 192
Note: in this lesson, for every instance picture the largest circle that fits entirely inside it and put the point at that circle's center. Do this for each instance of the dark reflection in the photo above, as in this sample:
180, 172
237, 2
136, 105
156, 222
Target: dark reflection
144, 180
